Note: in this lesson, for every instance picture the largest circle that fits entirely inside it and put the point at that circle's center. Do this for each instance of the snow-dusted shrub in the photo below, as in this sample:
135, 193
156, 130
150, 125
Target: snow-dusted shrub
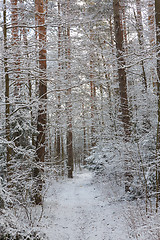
11, 228
142, 226
19, 220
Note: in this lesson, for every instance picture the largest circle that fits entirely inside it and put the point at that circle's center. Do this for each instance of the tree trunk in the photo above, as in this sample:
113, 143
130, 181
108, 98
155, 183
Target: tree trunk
15, 40
122, 84
141, 38
42, 110
124, 26
157, 17
58, 145
151, 22
69, 93
84, 134
7, 104
151, 31
121, 70
93, 92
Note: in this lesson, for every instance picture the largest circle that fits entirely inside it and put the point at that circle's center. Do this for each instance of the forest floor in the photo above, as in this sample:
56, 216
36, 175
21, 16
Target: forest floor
83, 208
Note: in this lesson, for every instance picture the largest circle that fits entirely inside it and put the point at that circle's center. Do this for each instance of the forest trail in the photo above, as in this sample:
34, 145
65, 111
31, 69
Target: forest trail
81, 212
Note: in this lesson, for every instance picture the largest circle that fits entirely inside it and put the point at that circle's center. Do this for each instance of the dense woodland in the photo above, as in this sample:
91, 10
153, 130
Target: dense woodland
79, 87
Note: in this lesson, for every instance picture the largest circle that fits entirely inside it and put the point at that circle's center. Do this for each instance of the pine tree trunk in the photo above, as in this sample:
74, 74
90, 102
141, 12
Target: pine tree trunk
141, 38
157, 17
69, 101
7, 104
58, 145
42, 111
15, 40
121, 70
84, 134
151, 22
151, 31
93, 92
124, 26
122, 84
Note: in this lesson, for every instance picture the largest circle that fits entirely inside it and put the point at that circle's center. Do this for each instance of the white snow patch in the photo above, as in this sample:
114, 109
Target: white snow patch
77, 209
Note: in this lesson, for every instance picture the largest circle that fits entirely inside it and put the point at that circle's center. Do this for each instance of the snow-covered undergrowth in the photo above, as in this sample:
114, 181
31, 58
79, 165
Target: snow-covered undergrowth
78, 209
15, 225
19, 218
138, 209
138, 224
91, 206
142, 226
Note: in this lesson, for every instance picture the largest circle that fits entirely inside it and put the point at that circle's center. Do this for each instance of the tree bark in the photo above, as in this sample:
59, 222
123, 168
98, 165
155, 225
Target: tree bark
84, 134
141, 38
41, 6
15, 40
69, 94
93, 92
7, 103
151, 31
122, 84
124, 26
157, 17
58, 145
121, 70
151, 22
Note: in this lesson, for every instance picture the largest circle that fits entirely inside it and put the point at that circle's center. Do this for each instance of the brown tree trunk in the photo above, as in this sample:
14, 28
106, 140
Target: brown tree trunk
58, 144
122, 84
121, 70
42, 111
15, 40
111, 32
151, 22
93, 92
141, 38
157, 17
84, 134
36, 46
7, 104
151, 31
124, 26
69, 93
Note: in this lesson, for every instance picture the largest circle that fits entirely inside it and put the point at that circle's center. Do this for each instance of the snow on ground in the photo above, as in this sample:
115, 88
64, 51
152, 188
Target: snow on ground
77, 209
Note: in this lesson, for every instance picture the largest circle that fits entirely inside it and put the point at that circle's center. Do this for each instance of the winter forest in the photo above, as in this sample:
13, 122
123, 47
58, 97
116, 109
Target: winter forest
79, 119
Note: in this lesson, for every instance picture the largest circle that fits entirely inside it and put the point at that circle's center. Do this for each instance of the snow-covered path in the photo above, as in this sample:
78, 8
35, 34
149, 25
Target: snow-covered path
81, 212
